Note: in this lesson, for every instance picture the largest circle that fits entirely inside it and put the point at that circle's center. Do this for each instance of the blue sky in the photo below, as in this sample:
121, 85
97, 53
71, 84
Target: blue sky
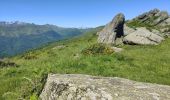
75, 13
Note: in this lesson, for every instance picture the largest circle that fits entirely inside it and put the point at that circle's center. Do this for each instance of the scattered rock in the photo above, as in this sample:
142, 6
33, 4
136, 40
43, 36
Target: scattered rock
117, 49
112, 31
76, 56
143, 36
85, 87
59, 47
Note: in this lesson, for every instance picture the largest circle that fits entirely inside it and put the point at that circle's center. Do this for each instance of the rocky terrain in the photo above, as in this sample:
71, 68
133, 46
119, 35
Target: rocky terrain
149, 28
154, 17
84, 87
146, 29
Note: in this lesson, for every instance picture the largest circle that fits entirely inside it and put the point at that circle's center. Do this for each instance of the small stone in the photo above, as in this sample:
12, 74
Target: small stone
116, 94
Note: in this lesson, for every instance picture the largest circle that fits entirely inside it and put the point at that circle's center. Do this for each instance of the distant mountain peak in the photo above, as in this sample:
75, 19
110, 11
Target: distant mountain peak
4, 23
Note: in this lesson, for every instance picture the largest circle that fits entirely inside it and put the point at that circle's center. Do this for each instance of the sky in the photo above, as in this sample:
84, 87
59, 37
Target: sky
75, 13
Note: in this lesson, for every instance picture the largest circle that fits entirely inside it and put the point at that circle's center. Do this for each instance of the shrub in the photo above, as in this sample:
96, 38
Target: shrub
98, 49
29, 56
7, 64
33, 87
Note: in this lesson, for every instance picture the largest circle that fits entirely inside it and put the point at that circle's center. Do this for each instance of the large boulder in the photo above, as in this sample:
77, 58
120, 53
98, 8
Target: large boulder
128, 30
85, 87
112, 31
143, 36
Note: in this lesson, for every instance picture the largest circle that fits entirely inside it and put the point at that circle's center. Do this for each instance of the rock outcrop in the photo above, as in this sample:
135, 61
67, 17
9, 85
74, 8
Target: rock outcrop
128, 30
84, 87
142, 36
154, 17
157, 25
113, 31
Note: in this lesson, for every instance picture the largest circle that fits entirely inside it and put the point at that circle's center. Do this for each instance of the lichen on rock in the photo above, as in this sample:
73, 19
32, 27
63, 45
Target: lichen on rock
85, 87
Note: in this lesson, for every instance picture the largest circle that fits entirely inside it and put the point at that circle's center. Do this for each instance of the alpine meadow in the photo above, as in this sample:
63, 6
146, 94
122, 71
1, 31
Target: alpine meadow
125, 59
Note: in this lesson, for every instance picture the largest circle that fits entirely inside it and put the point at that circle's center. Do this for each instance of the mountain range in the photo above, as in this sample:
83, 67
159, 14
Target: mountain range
18, 37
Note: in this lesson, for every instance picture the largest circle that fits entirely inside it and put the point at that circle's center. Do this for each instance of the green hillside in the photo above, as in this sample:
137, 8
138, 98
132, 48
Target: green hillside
24, 75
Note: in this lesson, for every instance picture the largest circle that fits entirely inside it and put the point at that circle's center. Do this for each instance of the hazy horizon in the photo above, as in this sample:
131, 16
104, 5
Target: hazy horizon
75, 13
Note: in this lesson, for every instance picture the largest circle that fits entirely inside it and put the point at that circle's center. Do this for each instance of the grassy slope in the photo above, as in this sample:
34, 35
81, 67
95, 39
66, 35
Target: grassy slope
140, 63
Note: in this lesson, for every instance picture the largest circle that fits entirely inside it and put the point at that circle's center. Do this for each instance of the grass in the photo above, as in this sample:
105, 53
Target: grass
140, 63
134, 24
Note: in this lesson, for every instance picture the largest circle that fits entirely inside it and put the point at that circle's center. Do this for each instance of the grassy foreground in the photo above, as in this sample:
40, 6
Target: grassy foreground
140, 63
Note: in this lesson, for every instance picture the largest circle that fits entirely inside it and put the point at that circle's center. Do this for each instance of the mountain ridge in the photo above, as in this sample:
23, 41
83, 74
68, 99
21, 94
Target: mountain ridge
18, 37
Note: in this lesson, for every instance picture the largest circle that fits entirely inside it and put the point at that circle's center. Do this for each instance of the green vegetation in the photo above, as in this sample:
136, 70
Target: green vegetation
136, 23
7, 64
140, 63
98, 49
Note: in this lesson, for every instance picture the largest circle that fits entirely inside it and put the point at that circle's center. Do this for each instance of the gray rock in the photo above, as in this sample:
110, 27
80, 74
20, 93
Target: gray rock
159, 33
143, 36
166, 22
161, 17
128, 30
147, 15
154, 17
112, 31
116, 49
164, 30
59, 47
85, 87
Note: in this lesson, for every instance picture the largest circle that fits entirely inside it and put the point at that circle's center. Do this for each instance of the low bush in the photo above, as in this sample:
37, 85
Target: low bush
98, 49
29, 56
7, 64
